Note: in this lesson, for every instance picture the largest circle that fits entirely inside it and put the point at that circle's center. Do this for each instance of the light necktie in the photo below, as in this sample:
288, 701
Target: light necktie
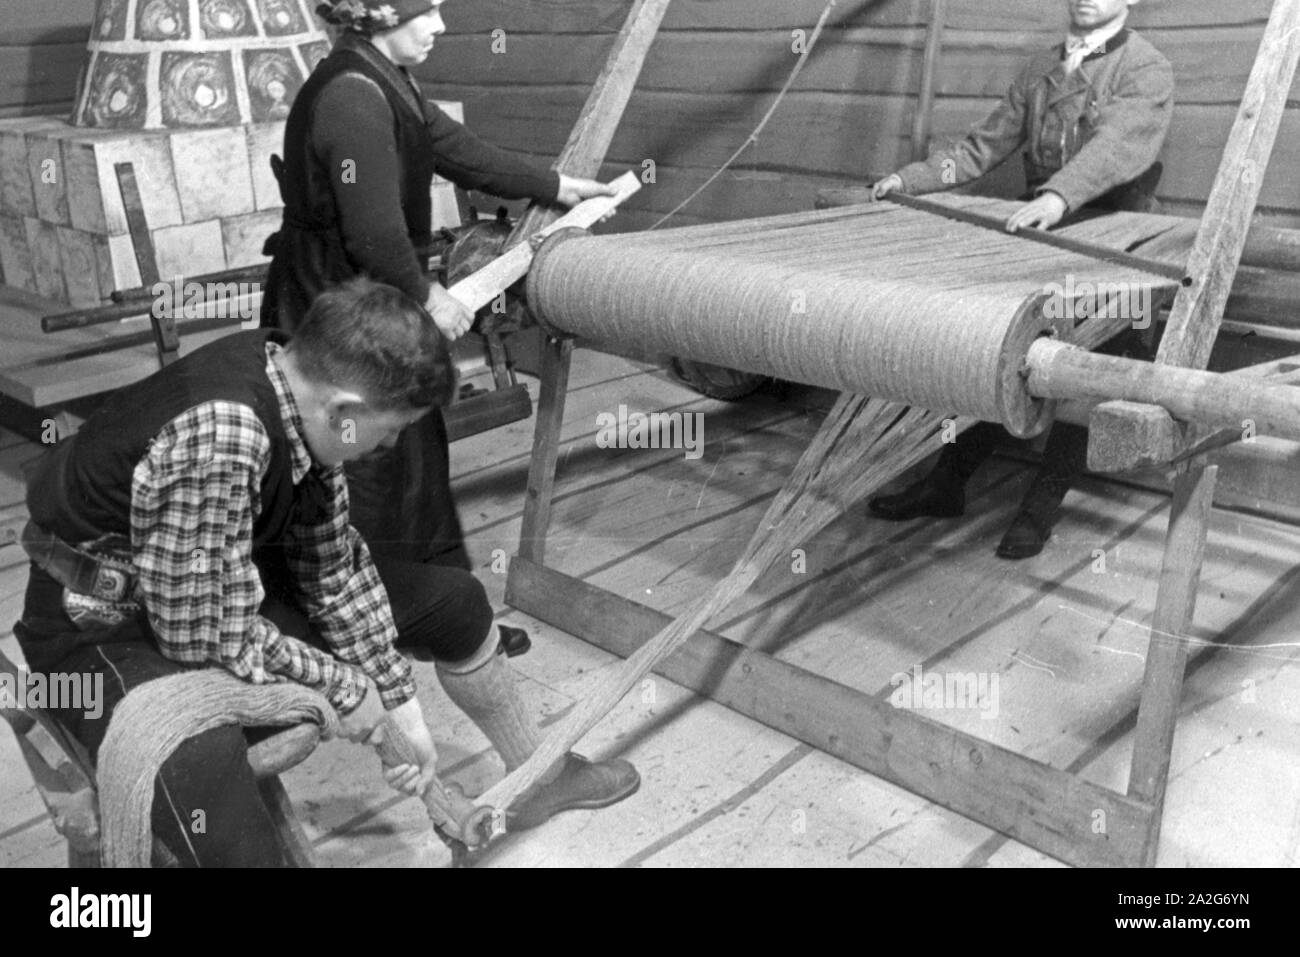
1076, 49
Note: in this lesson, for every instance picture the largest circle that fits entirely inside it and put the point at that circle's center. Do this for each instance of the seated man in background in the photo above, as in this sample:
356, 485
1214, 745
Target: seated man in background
212, 495
1091, 114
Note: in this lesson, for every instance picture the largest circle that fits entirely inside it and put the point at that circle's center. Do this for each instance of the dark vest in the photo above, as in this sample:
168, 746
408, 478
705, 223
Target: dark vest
81, 489
308, 251
415, 149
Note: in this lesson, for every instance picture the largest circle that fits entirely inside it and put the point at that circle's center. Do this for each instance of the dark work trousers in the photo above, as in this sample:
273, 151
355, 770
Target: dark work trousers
400, 499
1065, 455
441, 613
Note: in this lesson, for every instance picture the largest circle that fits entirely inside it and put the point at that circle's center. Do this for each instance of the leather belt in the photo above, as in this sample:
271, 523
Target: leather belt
77, 570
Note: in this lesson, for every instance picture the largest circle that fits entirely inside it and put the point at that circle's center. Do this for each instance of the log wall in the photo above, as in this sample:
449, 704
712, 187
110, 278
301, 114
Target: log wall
42, 43
718, 63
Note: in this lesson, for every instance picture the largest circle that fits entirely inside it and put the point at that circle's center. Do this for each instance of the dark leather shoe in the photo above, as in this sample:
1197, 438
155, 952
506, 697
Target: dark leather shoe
512, 642
1025, 538
582, 784
920, 498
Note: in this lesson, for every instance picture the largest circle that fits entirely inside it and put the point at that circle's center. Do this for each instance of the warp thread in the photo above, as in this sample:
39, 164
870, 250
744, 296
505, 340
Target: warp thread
862, 445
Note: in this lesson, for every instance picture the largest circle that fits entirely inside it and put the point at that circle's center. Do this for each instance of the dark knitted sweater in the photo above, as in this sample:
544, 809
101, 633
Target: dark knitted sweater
361, 147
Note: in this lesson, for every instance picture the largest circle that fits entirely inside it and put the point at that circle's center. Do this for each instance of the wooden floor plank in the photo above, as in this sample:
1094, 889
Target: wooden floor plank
875, 599
1050, 809
1115, 612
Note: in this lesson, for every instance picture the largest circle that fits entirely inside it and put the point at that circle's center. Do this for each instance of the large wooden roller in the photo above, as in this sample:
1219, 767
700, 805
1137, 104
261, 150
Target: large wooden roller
892, 302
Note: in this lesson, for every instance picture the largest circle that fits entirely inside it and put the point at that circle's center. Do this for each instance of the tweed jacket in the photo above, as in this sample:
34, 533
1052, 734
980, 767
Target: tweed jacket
1084, 136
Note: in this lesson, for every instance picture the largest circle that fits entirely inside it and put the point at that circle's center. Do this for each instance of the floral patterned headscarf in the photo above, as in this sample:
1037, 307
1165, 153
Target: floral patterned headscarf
371, 17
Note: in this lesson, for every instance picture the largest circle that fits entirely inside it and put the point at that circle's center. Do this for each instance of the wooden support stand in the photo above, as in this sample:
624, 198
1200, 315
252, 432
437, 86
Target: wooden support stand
1162, 685
1044, 807
1031, 802
1220, 241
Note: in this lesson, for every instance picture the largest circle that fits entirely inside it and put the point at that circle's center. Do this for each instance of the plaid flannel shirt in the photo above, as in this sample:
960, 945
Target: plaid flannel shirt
194, 499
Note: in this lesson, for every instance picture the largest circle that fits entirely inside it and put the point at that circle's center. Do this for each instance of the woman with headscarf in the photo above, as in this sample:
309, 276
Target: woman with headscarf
361, 148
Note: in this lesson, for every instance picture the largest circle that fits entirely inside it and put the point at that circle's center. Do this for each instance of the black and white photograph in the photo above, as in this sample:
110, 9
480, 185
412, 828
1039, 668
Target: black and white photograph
639, 434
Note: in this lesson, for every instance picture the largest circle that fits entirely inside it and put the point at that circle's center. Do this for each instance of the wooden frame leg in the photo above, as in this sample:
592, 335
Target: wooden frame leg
556, 358
166, 337
1162, 684
293, 839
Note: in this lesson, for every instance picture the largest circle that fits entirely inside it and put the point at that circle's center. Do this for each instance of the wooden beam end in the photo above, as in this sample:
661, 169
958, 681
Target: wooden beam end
1125, 436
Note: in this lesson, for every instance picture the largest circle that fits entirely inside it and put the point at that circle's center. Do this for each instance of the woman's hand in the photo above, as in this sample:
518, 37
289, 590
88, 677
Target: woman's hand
449, 313
574, 190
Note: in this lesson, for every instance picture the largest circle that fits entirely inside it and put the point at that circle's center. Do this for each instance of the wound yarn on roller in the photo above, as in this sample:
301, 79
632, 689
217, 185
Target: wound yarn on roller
877, 300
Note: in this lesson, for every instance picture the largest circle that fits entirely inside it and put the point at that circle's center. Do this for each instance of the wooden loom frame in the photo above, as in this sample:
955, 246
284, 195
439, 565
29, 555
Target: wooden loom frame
1034, 803
1044, 807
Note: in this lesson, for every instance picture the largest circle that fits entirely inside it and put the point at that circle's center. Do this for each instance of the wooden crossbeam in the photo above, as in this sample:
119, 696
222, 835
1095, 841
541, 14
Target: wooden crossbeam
1058, 370
584, 153
1255, 469
1056, 240
1038, 805
1265, 288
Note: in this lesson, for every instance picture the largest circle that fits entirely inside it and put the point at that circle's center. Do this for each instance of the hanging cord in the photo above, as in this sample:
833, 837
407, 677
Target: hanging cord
753, 137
